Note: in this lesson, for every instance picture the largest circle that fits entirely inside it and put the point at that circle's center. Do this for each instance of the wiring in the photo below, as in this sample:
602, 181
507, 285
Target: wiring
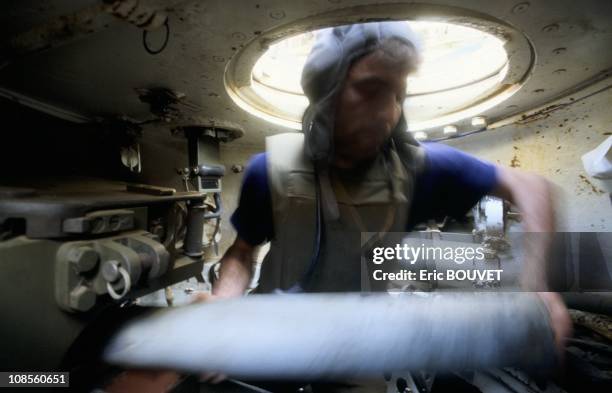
145, 43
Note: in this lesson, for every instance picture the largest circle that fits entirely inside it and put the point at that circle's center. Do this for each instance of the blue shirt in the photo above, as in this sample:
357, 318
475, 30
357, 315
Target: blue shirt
450, 185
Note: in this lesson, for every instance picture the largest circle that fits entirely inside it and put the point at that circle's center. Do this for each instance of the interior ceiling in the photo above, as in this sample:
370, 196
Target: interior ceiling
101, 74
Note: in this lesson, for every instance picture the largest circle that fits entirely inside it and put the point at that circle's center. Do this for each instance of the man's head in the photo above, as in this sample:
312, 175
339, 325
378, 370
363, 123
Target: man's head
355, 81
369, 104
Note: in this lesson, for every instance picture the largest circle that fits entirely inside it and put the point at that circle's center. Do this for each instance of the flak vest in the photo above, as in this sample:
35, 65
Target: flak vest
376, 199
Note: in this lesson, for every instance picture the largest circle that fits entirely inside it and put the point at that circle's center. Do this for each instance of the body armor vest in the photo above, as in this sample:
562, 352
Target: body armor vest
370, 199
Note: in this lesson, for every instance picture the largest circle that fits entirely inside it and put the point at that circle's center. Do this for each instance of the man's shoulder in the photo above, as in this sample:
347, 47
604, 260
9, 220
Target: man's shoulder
255, 179
441, 157
452, 169
258, 162
435, 150
451, 183
252, 219
257, 165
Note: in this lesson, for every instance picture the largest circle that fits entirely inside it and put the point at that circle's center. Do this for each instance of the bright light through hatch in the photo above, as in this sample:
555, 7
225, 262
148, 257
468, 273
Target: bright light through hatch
461, 76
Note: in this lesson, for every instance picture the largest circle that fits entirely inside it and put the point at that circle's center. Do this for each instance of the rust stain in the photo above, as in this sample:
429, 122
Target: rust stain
607, 133
593, 188
541, 114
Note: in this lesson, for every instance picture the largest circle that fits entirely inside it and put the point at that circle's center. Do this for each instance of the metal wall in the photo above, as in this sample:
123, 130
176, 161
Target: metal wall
552, 147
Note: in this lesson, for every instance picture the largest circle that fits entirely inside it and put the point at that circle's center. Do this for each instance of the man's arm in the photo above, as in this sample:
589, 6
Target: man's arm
253, 223
236, 270
454, 181
533, 196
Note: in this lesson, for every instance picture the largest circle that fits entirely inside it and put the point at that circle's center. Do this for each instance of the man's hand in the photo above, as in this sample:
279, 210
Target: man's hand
211, 377
204, 297
533, 196
560, 320
152, 381
234, 278
236, 270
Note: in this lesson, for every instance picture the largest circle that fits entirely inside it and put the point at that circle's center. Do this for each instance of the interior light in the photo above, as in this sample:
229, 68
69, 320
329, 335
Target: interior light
479, 121
420, 136
450, 130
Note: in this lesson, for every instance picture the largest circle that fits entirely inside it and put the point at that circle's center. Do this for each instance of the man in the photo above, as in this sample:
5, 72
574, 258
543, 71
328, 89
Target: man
355, 168
354, 139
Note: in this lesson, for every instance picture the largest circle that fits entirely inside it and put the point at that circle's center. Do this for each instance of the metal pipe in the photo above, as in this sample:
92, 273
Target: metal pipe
195, 229
218, 210
318, 336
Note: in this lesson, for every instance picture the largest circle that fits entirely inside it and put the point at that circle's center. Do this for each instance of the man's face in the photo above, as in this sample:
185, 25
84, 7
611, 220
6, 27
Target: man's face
368, 107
